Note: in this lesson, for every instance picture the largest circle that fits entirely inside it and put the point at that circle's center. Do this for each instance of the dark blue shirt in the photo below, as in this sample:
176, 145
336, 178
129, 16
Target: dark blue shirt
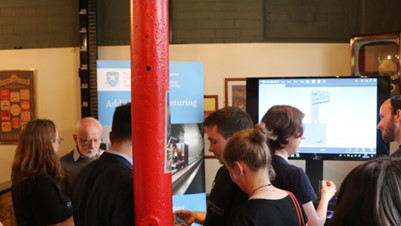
293, 179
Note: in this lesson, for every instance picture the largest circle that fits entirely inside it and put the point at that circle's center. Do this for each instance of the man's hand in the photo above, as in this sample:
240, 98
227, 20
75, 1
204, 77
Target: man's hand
183, 218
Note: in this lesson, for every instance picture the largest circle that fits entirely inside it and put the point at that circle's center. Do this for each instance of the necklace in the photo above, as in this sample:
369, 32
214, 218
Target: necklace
265, 185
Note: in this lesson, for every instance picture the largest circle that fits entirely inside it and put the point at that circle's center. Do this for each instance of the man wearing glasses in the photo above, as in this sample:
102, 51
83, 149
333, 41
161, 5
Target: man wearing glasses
87, 138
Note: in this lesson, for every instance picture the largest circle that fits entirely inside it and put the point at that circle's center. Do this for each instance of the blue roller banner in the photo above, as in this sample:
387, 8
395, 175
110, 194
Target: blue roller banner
185, 143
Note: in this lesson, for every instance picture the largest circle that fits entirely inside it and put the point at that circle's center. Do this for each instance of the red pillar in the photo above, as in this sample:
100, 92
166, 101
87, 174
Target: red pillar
149, 84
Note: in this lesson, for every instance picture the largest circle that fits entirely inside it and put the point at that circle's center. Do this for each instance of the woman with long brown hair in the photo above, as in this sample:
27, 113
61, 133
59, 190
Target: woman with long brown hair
36, 170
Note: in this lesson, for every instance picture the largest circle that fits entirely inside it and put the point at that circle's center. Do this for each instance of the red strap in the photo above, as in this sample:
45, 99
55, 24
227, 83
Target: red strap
298, 209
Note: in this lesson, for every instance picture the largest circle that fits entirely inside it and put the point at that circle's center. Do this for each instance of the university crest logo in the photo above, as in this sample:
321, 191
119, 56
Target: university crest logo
112, 78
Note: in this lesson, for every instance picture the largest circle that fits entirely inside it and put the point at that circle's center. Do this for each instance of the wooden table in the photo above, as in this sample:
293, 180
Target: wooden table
6, 205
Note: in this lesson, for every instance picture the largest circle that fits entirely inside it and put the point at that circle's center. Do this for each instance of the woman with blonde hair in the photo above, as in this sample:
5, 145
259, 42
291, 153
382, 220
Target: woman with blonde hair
247, 158
36, 170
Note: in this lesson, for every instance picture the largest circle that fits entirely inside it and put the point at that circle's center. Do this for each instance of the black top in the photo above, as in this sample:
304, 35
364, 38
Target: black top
103, 193
224, 199
39, 201
261, 212
293, 179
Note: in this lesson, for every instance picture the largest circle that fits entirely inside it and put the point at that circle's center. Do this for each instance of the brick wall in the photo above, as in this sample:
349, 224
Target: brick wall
38, 24
198, 21
311, 21
113, 22
55, 23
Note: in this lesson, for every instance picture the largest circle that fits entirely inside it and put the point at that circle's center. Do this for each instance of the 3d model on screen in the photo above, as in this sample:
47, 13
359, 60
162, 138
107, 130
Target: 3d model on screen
318, 129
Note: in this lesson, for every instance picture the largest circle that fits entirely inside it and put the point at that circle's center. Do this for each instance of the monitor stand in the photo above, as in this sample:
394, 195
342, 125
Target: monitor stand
314, 170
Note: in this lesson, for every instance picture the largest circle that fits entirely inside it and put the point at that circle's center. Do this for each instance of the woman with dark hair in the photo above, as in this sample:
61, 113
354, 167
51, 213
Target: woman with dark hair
286, 124
36, 170
247, 158
370, 195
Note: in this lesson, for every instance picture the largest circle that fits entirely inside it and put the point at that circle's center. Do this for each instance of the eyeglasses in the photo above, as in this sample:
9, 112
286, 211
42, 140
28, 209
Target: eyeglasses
90, 141
58, 140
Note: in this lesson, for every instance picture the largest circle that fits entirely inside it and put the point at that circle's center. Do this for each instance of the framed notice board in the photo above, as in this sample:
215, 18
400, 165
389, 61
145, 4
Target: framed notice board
235, 92
17, 102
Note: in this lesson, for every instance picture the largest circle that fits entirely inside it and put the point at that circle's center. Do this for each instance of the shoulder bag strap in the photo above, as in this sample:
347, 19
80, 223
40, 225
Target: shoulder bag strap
298, 209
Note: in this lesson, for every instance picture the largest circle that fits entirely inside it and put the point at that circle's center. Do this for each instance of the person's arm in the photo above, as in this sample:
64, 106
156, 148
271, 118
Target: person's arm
68, 222
191, 216
318, 217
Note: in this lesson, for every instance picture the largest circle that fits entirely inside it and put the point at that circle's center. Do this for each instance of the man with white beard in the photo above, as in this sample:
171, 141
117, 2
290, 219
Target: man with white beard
87, 138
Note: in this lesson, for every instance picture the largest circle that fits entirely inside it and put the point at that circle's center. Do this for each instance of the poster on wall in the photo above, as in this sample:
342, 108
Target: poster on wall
17, 102
185, 145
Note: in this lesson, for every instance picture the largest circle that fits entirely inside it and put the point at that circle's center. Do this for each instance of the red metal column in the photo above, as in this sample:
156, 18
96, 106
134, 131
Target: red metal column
149, 83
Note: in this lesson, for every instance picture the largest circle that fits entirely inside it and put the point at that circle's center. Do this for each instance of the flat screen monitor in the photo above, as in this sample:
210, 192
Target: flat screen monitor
341, 113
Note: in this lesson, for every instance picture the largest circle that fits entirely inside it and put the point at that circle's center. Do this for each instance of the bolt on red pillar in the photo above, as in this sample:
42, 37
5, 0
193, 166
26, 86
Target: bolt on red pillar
149, 29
